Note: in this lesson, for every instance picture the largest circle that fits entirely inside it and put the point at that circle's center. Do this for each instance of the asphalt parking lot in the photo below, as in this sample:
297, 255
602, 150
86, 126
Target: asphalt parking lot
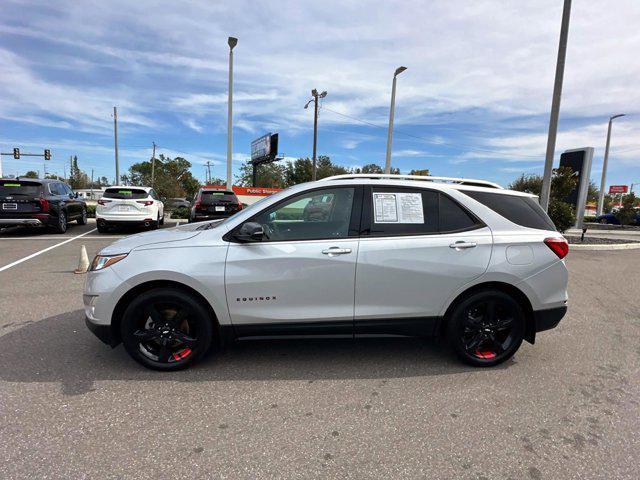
70, 407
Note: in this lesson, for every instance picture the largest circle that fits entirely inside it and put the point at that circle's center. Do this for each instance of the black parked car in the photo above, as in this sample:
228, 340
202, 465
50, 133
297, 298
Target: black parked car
213, 203
35, 202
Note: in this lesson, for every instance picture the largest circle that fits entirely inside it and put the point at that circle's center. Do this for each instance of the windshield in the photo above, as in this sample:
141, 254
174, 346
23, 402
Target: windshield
125, 193
19, 188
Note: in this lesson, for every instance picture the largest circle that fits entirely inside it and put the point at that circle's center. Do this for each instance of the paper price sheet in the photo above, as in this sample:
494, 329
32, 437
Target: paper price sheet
398, 207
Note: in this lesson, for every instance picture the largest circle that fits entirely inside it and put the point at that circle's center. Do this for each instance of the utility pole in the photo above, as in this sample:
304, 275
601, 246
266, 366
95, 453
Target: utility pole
91, 185
153, 164
232, 42
603, 181
555, 106
208, 172
314, 98
115, 140
387, 165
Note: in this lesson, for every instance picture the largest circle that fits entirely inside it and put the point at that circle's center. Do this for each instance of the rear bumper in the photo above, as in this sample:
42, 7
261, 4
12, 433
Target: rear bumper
548, 319
216, 216
138, 220
31, 222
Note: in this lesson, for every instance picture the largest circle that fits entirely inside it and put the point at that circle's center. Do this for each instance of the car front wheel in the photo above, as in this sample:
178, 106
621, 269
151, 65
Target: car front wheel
166, 329
486, 328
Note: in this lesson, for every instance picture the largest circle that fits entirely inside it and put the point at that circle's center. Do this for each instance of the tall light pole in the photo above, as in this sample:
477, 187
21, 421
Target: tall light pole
115, 142
603, 181
315, 95
555, 106
387, 166
232, 41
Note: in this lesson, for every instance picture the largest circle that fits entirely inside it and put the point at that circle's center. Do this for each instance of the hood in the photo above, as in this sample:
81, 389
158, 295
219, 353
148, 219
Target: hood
165, 235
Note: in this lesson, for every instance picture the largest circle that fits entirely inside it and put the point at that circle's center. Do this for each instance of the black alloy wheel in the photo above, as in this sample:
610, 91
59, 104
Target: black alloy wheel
61, 225
82, 220
166, 329
487, 328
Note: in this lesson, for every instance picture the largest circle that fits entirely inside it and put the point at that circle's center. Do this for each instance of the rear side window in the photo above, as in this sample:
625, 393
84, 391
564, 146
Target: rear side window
125, 193
523, 211
209, 197
403, 211
453, 218
15, 188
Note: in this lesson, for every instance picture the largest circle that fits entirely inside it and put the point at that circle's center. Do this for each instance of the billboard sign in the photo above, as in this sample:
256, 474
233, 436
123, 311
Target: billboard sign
264, 149
613, 189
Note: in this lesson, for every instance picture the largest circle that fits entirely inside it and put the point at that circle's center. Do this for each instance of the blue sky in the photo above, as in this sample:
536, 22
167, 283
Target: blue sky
474, 101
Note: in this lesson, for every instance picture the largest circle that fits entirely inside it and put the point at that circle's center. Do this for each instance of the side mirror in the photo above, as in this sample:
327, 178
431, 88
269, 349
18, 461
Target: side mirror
250, 232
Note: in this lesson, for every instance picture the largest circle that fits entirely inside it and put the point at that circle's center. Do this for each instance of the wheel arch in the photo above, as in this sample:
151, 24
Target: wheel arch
511, 290
121, 306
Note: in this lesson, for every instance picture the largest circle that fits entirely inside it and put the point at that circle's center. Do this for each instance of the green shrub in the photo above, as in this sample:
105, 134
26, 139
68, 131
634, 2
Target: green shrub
627, 212
91, 211
180, 212
589, 218
562, 215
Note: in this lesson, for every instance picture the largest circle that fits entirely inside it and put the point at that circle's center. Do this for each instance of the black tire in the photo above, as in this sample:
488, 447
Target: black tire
166, 329
61, 225
102, 228
82, 219
162, 219
487, 328
603, 221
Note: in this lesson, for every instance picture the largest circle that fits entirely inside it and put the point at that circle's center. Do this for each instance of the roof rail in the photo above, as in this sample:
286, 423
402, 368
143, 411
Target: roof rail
425, 178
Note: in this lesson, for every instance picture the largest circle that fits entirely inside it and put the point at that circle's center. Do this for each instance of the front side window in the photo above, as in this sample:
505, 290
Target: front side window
317, 214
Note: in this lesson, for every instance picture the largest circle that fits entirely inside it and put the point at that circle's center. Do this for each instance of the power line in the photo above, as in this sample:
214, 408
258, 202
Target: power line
433, 142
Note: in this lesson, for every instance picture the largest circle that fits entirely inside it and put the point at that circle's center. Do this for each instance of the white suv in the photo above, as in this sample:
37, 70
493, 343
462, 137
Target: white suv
121, 206
352, 255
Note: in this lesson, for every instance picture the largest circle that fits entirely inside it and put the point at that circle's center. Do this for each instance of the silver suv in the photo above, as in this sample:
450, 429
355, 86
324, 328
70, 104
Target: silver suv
351, 255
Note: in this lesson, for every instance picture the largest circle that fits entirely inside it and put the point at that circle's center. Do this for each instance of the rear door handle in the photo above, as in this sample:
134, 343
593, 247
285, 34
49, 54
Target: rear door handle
462, 245
333, 251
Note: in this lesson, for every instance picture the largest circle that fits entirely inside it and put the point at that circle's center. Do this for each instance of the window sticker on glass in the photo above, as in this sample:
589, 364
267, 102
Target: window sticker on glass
398, 208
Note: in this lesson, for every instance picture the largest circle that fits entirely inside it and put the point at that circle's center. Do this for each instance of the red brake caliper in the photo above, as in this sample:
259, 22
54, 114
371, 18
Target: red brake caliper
182, 354
486, 354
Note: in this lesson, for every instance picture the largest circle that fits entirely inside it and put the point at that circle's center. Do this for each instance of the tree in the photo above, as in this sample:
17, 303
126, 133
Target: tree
77, 178
627, 211
270, 175
424, 172
373, 168
172, 177
30, 174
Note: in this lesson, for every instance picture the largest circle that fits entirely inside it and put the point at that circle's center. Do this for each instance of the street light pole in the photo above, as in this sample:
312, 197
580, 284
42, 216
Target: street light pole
387, 166
555, 106
605, 162
115, 142
315, 95
232, 42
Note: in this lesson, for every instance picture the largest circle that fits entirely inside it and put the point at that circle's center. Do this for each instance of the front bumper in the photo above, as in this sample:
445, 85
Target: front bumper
548, 319
103, 332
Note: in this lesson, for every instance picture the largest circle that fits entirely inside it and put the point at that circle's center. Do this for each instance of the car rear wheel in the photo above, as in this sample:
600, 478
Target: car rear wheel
82, 220
166, 329
603, 221
61, 225
487, 328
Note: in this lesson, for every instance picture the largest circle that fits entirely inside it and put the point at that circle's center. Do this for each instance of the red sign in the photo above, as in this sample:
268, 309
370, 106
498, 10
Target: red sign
250, 191
618, 189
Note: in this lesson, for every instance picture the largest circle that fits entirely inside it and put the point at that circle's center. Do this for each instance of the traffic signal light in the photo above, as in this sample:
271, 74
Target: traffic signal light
16, 153
47, 154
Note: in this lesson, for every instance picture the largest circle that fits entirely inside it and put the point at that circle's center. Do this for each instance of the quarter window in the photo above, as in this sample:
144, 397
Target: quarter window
317, 214
521, 210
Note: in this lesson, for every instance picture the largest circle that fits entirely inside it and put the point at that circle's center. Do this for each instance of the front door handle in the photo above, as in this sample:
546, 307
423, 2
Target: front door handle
333, 251
462, 245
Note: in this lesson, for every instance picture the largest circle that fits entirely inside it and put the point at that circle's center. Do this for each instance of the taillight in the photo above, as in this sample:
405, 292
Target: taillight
103, 202
559, 246
146, 203
239, 206
44, 204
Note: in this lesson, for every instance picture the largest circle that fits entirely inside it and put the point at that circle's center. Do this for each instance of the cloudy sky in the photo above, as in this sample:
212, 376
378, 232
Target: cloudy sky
474, 101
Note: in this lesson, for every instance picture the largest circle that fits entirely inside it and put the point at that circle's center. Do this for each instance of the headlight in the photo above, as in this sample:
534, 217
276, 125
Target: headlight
104, 261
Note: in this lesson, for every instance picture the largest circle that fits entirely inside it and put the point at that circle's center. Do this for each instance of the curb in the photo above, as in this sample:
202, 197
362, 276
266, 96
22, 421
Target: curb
615, 246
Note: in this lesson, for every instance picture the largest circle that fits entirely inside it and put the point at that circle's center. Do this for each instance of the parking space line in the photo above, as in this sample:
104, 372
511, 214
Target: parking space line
29, 257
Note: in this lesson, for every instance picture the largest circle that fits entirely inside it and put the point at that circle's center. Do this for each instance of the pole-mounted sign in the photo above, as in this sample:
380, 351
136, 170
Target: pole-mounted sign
615, 189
